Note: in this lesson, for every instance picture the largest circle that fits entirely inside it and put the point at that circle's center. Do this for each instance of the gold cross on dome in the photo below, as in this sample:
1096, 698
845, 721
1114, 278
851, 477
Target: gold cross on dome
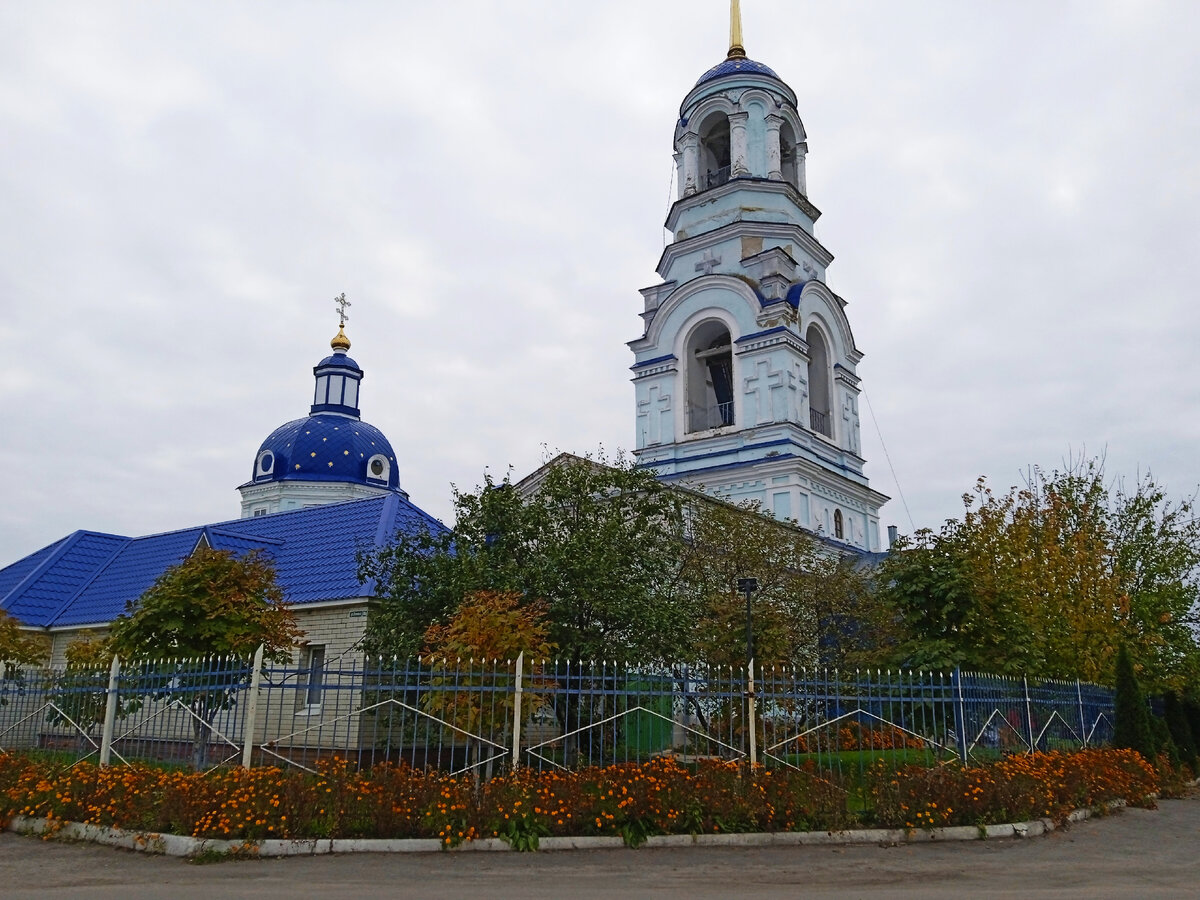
341, 303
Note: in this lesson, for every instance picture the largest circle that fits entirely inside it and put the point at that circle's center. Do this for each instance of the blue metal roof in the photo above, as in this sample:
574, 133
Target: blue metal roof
326, 447
90, 578
124, 578
13, 575
59, 577
738, 66
341, 360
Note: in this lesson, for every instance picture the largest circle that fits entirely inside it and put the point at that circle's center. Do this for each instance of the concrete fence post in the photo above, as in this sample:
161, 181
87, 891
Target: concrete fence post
516, 735
251, 717
110, 711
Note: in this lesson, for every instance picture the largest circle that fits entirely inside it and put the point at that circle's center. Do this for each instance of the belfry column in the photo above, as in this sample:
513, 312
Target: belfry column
774, 156
691, 163
737, 143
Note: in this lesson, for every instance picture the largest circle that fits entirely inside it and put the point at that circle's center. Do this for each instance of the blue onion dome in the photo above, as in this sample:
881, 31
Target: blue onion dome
737, 65
327, 447
332, 443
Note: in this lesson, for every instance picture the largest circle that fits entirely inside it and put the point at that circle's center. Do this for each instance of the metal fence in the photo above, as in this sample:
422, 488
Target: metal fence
466, 715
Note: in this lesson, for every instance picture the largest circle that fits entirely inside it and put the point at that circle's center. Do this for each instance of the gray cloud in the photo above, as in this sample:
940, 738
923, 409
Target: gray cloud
1011, 192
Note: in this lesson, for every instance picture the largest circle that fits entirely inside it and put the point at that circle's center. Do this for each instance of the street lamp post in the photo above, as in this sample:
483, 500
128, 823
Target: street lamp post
748, 586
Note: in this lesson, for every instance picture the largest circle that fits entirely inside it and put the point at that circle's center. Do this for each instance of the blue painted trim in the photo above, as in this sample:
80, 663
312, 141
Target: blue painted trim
342, 479
750, 462
386, 518
793, 294
657, 359
784, 441
342, 408
759, 334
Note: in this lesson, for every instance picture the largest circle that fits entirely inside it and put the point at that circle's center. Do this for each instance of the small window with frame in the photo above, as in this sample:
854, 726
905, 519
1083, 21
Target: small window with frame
312, 679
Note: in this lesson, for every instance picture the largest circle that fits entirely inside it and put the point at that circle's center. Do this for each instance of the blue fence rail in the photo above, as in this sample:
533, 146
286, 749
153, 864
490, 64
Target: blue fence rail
483, 716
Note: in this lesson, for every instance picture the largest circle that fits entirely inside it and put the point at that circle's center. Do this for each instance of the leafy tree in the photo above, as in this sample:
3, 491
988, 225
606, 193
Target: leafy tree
596, 542
212, 604
1048, 580
193, 628
1157, 560
492, 625
81, 689
489, 630
810, 606
18, 649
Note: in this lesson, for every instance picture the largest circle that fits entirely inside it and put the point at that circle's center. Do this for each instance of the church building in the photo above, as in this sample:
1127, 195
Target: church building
323, 489
745, 381
745, 372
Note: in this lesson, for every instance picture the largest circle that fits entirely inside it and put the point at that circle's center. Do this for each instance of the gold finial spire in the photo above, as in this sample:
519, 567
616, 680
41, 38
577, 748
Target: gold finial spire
340, 341
736, 50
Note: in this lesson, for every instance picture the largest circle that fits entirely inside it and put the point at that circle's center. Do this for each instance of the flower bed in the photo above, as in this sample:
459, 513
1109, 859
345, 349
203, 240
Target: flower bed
632, 801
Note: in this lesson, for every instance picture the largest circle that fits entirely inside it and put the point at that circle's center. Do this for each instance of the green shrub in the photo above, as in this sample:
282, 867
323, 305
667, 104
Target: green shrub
1180, 729
1131, 729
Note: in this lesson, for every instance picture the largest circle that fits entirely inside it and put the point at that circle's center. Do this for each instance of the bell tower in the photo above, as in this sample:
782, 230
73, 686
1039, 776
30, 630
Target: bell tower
745, 373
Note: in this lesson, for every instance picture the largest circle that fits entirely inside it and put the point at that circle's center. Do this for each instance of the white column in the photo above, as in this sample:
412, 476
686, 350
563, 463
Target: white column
774, 158
737, 144
518, 712
801, 180
691, 164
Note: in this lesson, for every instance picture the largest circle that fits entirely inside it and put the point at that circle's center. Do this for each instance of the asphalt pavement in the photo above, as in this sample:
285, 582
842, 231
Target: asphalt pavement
1132, 853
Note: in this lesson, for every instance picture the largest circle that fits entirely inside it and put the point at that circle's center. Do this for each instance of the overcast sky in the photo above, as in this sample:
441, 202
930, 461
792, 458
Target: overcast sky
1012, 192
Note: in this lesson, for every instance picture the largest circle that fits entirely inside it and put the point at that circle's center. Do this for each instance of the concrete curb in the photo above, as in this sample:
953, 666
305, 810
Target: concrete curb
190, 847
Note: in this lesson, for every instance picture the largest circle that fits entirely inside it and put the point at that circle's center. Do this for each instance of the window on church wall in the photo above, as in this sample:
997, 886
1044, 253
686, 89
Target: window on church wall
715, 151
839, 527
322, 389
335, 388
818, 383
709, 377
312, 678
351, 392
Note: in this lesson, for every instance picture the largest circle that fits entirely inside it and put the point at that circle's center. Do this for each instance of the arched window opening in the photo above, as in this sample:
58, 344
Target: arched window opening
714, 151
838, 526
788, 154
818, 383
709, 378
